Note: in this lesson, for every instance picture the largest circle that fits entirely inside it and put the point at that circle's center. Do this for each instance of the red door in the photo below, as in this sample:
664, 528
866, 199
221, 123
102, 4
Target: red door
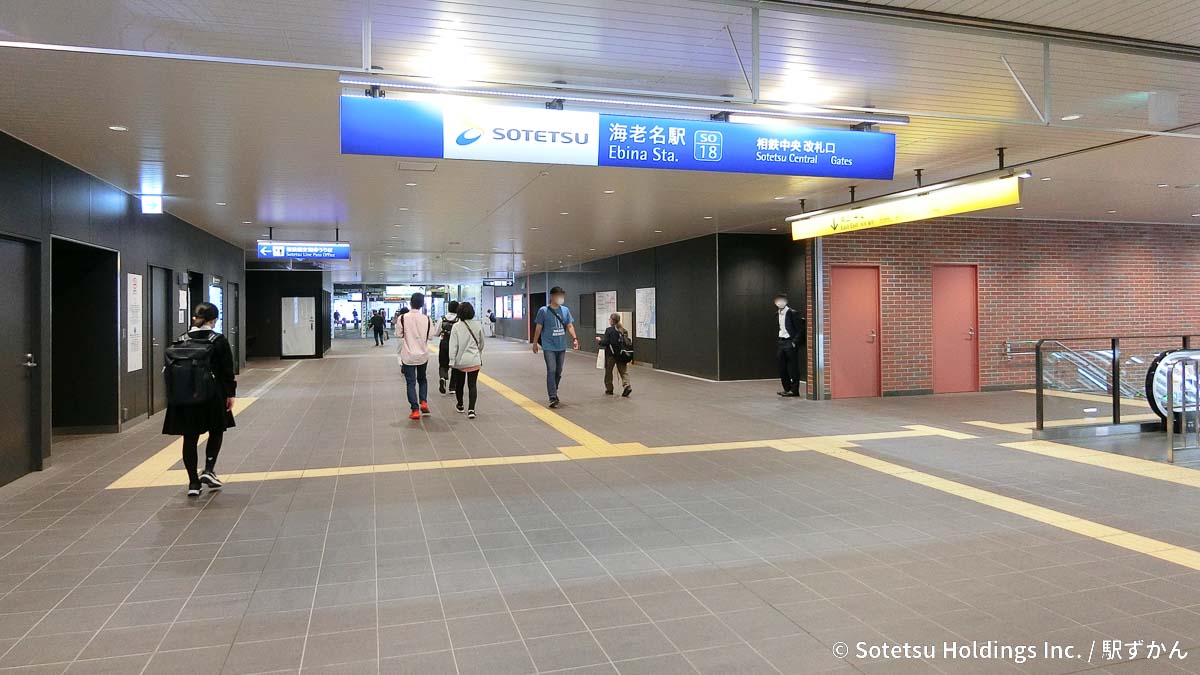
854, 332
955, 329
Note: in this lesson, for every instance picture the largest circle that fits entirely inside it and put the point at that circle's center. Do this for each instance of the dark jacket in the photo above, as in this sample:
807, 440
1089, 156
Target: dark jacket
793, 322
611, 337
211, 415
377, 321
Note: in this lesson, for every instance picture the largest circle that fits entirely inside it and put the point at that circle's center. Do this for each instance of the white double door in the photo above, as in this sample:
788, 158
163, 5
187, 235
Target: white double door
299, 326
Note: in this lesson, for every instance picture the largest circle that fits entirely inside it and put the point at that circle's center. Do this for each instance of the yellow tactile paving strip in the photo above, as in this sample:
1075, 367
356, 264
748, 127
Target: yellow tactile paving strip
1111, 461
157, 470
152, 471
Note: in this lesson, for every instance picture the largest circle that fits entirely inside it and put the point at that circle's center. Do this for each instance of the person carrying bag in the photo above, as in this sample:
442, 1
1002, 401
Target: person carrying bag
466, 357
618, 353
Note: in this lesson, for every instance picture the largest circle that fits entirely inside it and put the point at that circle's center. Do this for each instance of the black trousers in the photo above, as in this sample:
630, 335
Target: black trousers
472, 381
378, 336
211, 450
789, 365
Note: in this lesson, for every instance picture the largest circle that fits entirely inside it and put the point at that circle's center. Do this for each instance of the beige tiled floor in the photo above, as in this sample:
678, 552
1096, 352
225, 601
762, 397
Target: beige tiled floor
738, 561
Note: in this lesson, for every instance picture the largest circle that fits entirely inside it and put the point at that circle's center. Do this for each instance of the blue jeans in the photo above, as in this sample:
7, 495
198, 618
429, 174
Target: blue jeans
554, 368
414, 375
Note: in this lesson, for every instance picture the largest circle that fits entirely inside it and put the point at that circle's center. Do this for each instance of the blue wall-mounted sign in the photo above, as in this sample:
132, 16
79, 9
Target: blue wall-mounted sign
463, 129
303, 250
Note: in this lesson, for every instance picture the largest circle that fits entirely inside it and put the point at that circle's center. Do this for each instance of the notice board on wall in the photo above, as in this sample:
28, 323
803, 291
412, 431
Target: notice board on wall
644, 312
606, 304
133, 322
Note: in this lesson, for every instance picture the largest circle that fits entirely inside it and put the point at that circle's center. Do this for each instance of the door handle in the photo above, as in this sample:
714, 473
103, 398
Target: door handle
970, 333
871, 336
29, 362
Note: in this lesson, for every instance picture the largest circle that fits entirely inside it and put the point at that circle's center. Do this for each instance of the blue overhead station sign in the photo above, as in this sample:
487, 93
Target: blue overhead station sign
467, 130
302, 250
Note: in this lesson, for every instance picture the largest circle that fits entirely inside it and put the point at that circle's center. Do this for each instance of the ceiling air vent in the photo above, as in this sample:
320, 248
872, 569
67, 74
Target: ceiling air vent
416, 166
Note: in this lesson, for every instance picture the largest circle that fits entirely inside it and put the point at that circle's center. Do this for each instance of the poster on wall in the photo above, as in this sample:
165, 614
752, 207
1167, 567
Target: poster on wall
518, 307
606, 304
183, 308
644, 311
508, 306
133, 322
500, 307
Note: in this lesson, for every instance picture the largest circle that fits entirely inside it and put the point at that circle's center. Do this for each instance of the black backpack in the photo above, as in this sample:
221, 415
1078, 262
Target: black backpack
622, 351
189, 370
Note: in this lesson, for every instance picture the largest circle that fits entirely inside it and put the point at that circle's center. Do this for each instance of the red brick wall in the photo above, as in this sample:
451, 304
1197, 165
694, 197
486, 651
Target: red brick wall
1037, 279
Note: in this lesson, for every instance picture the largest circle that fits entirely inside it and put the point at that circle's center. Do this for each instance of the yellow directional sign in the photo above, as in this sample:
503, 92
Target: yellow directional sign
987, 194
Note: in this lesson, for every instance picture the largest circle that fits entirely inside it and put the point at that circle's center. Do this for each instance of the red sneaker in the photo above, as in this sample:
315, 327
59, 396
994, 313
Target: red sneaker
425, 408
416, 415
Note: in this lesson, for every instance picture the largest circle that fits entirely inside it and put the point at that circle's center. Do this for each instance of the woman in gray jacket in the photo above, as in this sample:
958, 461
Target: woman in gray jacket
466, 356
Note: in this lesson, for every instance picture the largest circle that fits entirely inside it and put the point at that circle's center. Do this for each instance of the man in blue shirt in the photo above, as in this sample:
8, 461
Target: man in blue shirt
551, 326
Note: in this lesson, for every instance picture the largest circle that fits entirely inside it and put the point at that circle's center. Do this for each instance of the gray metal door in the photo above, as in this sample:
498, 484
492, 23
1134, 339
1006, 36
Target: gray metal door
160, 335
19, 414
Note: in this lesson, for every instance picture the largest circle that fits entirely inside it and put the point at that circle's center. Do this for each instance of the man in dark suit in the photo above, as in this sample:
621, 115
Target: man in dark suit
790, 335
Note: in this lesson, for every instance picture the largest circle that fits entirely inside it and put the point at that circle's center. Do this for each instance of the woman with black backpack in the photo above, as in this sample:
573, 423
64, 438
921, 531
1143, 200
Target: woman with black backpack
200, 390
617, 351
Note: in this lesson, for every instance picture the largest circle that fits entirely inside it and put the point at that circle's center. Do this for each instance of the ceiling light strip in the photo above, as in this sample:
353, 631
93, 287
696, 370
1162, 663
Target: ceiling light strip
714, 107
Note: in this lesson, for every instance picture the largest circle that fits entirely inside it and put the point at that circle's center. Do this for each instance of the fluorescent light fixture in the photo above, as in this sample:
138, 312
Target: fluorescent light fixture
183, 175
1070, 118
247, 222
1196, 215
708, 217
410, 184
220, 203
1046, 178
609, 192
908, 206
403, 208
620, 241
151, 203
716, 106
1162, 185
1020, 208
118, 127
563, 213
778, 198
1111, 211
774, 229
658, 232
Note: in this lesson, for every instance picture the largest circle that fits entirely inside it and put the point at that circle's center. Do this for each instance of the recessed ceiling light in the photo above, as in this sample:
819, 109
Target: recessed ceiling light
220, 203
533, 228
1196, 215
1020, 208
563, 213
1162, 185
708, 217
609, 192
118, 127
1046, 178
778, 198
658, 232
620, 241
1070, 118
774, 229
592, 249
1111, 211
247, 222
411, 184
403, 208
183, 175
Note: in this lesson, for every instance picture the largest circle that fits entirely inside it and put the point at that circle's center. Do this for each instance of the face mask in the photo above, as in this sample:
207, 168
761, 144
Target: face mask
558, 299
781, 303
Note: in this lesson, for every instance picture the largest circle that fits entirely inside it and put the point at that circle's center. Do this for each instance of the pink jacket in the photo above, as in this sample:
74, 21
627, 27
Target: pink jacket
415, 331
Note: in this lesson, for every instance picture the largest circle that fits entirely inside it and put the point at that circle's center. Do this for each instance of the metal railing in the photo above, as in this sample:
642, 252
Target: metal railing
1186, 386
1088, 368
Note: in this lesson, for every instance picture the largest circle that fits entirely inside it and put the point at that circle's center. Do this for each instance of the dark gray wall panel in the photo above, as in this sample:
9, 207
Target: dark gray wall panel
686, 296
753, 268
